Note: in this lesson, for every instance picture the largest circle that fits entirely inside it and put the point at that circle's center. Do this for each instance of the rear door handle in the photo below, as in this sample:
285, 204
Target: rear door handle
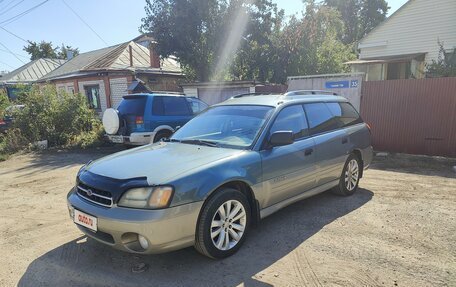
344, 141
308, 151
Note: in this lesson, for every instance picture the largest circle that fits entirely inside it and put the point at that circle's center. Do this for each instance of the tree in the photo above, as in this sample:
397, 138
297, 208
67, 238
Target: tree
359, 16
207, 35
445, 66
47, 50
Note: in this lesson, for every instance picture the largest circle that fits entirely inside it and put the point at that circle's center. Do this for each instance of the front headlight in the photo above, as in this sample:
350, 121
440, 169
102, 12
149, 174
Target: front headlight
147, 197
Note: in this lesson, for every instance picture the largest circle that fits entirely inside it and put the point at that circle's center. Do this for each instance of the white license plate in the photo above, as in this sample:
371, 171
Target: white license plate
116, 139
85, 220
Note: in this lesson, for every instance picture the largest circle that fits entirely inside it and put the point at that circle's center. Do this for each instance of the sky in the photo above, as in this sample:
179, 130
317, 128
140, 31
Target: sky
115, 21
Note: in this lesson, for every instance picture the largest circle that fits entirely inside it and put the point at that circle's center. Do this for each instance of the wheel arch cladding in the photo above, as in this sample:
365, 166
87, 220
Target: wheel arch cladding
245, 189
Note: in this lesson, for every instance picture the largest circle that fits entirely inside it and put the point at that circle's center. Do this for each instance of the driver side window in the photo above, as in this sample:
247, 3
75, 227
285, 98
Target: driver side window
291, 118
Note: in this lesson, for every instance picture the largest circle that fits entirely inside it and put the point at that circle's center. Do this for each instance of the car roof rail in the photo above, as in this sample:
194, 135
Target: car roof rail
168, 93
309, 92
250, 94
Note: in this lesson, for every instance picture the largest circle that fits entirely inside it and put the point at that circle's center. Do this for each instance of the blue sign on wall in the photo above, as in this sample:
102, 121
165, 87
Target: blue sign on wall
337, 85
341, 84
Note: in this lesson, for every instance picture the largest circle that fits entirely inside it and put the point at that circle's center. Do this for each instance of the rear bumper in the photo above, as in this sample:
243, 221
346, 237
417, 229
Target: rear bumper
136, 138
165, 229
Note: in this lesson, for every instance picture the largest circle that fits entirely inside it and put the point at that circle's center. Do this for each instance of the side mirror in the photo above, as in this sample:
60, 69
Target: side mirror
281, 138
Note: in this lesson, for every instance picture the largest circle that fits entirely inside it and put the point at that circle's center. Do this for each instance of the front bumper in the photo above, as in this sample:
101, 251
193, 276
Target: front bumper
165, 229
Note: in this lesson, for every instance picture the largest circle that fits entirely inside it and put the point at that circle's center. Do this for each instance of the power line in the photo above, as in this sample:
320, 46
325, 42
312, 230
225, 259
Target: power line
14, 18
11, 33
12, 53
25, 57
82, 20
11, 7
9, 3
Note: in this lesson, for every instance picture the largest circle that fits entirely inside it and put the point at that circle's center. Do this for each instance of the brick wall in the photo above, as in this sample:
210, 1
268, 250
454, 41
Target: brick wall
118, 90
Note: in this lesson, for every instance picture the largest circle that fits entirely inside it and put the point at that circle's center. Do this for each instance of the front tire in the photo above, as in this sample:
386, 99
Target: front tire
223, 224
349, 179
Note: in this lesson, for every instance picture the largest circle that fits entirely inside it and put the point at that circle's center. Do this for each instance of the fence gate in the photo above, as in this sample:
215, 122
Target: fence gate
412, 116
346, 85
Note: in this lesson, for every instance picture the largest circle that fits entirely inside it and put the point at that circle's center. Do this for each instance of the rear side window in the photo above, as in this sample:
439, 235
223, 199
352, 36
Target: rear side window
291, 119
132, 106
320, 118
170, 106
196, 105
345, 113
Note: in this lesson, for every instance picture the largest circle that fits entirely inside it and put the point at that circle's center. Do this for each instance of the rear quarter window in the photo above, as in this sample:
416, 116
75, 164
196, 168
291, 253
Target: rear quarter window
344, 113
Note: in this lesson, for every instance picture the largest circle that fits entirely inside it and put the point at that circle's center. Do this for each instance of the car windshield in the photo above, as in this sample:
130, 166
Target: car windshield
226, 126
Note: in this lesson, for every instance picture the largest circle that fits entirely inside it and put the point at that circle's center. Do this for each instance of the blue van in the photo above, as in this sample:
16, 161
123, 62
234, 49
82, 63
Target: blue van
145, 118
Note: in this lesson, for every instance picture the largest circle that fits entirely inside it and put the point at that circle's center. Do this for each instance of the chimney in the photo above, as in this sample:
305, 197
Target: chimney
69, 54
154, 57
130, 50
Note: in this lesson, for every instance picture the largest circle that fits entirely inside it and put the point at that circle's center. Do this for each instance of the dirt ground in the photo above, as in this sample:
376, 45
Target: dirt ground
399, 229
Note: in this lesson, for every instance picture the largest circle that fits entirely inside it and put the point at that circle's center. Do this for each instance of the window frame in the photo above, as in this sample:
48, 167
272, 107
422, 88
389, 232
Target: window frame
86, 88
356, 122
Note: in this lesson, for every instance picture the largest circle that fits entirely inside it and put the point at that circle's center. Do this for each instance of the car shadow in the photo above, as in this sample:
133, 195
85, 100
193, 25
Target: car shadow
85, 262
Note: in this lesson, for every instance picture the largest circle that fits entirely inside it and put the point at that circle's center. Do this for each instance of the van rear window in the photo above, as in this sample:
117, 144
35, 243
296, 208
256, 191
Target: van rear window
132, 106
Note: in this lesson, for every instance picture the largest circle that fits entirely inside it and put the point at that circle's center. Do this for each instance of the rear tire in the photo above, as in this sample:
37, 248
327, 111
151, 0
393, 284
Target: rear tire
349, 179
161, 135
223, 224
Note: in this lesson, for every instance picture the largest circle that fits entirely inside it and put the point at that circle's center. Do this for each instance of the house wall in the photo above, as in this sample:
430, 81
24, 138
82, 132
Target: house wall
118, 90
161, 82
414, 28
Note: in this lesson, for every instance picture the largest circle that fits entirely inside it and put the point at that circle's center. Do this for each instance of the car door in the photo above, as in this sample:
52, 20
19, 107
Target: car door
331, 141
289, 170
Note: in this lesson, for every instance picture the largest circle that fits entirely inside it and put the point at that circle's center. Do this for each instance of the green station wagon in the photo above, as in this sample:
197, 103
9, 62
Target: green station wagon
218, 175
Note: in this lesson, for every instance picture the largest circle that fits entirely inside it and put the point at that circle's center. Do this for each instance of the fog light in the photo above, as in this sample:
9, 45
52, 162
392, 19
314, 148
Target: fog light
143, 242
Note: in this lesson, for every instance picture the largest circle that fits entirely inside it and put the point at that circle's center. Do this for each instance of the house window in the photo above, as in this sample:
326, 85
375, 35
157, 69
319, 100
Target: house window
93, 96
401, 70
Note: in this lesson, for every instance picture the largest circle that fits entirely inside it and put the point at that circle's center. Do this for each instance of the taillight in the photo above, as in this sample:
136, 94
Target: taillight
369, 127
2, 122
139, 120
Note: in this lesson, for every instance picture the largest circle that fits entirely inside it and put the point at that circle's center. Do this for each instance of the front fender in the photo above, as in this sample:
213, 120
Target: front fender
200, 183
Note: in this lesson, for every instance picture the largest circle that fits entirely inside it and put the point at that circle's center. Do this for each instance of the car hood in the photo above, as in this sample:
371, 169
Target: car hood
160, 162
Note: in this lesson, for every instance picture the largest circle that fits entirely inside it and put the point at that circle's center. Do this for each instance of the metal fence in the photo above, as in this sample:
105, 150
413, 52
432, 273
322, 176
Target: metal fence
412, 116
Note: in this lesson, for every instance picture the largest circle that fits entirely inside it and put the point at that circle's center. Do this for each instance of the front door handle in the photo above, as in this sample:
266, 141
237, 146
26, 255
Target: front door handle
308, 151
344, 140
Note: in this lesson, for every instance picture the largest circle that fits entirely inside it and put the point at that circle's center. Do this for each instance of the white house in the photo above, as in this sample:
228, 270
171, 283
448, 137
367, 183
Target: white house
400, 47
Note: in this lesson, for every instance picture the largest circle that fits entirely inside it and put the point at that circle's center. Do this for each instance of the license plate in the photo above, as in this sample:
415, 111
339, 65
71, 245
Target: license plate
85, 220
116, 139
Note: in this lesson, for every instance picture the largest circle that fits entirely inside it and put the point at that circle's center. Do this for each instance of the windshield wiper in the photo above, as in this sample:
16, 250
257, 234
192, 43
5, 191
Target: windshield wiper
170, 140
199, 142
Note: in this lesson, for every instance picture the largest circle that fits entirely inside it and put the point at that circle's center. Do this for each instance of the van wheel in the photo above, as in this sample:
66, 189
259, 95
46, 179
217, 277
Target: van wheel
161, 135
350, 176
223, 224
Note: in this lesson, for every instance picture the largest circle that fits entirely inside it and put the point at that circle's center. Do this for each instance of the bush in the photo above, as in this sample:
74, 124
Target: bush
60, 118
13, 141
4, 102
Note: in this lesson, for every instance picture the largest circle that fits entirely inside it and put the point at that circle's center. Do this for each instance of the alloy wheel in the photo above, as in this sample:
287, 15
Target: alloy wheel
351, 174
228, 225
